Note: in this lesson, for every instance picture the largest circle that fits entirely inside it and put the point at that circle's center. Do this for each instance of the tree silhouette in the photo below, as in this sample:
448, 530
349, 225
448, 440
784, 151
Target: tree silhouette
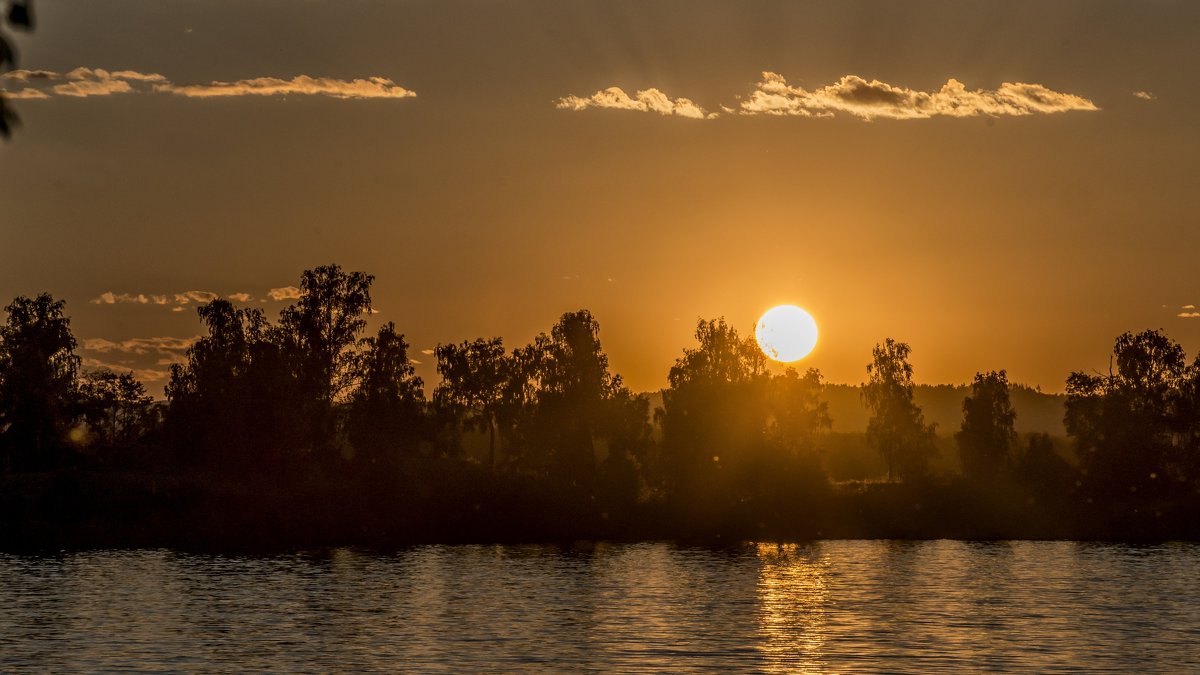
706, 404
386, 406
115, 406
38, 367
19, 16
897, 427
228, 394
986, 437
1125, 424
475, 383
318, 333
573, 393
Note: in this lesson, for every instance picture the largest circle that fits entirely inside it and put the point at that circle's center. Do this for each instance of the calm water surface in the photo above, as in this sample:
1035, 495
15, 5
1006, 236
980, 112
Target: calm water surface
844, 606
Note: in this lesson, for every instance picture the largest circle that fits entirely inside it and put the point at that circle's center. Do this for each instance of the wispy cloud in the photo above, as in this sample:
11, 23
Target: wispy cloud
198, 297
304, 85
88, 82
110, 298
1145, 95
851, 95
177, 301
140, 346
186, 297
646, 100
1188, 315
285, 293
81, 82
872, 99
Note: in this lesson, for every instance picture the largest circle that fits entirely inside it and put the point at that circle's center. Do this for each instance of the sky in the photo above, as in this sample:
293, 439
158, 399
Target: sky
1001, 185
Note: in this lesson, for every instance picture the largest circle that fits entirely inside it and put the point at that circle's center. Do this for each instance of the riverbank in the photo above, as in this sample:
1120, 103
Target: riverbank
95, 509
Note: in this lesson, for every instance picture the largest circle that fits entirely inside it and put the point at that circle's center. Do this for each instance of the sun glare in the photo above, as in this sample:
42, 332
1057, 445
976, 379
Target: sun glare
786, 333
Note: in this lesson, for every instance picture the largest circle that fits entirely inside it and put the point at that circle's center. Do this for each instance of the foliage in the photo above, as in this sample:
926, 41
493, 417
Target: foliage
38, 367
115, 407
1134, 427
19, 16
733, 432
986, 438
386, 407
476, 385
897, 428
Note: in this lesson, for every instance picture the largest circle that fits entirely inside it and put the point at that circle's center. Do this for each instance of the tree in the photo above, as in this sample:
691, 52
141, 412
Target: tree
574, 385
318, 334
986, 438
38, 369
115, 406
707, 404
1125, 424
732, 432
386, 406
476, 383
234, 403
897, 426
19, 16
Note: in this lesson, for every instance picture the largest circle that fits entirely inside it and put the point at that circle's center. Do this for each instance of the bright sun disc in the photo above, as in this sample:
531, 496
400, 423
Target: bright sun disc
786, 333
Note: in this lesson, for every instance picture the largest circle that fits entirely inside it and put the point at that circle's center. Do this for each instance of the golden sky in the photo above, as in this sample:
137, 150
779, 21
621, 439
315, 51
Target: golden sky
1002, 185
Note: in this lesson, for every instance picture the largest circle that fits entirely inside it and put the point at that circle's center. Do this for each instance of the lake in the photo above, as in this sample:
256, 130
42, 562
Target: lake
834, 606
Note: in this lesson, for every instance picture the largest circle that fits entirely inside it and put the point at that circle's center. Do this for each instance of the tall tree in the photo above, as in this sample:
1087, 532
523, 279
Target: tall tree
986, 438
574, 386
319, 333
1125, 423
38, 368
476, 384
115, 406
19, 15
734, 434
707, 404
386, 406
897, 427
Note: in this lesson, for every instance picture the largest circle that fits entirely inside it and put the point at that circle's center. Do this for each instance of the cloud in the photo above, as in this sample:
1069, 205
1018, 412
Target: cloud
427, 352
143, 375
1188, 307
302, 85
28, 94
646, 100
1188, 315
110, 298
1145, 95
240, 297
88, 82
873, 99
198, 297
78, 83
285, 293
167, 346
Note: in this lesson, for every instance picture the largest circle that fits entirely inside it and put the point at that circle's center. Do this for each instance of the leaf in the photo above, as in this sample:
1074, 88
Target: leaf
7, 55
20, 14
8, 119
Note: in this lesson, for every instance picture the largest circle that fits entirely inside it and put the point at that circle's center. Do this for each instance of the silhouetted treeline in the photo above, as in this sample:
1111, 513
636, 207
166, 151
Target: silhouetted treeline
306, 430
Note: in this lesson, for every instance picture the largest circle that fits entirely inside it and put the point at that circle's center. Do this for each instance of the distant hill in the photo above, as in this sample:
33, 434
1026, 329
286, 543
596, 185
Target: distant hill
942, 403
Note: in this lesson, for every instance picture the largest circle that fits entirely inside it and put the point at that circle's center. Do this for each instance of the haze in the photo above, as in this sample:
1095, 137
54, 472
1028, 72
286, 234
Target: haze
813, 155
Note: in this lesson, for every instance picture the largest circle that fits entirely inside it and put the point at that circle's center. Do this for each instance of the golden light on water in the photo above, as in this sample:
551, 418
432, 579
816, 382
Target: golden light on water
786, 333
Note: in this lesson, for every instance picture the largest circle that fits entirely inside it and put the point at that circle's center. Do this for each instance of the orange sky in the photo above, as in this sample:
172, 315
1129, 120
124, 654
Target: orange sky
1025, 233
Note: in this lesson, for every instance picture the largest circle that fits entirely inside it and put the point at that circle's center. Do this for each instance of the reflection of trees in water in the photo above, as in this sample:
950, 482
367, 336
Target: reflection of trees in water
793, 611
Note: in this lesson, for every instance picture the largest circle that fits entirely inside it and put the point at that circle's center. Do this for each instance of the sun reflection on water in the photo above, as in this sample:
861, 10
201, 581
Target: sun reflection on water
793, 605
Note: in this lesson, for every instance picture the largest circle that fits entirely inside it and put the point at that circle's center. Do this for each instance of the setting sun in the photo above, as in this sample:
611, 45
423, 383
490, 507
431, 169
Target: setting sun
786, 333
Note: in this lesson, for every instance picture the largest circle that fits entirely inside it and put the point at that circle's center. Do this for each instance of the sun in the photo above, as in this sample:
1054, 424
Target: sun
786, 333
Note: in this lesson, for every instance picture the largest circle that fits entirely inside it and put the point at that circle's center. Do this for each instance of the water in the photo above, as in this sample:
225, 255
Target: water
839, 606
